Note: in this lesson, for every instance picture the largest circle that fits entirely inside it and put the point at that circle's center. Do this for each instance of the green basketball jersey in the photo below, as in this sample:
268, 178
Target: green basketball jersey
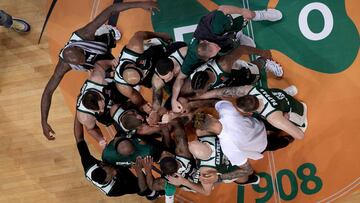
217, 159
221, 77
276, 100
111, 156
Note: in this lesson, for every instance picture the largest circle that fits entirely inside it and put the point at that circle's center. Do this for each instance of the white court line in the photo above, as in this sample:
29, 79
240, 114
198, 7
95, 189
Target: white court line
276, 180
251, 27
272, 175
270, 154
96, 8
345, 192
342, 191
92, 10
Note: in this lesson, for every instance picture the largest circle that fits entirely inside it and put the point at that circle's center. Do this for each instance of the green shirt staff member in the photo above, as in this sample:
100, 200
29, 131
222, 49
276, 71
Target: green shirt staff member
123, 151
216, 34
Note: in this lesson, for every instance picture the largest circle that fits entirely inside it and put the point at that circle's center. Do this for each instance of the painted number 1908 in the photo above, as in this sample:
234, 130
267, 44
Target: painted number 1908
309, 184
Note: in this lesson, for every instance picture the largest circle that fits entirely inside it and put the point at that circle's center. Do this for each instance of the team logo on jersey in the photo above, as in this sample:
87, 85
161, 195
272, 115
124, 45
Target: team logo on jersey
316, 34
90, 58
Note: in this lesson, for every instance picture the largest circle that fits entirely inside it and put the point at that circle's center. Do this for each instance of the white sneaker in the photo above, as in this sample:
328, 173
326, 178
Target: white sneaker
274, 68
245, 40
268, 14
291, 90
104, 29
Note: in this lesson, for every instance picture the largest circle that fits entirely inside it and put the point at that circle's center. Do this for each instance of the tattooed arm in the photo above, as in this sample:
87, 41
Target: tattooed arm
224, 92
157, 89
193, 105
243, 170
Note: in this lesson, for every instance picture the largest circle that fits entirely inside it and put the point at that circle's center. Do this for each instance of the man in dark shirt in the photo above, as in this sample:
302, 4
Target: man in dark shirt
217, 34
110, 180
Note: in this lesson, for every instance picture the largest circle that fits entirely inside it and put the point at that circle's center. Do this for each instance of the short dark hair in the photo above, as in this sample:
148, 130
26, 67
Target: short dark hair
130, 121
90, 100
164, 66
247, 103
168, 165
99, 175
200, 80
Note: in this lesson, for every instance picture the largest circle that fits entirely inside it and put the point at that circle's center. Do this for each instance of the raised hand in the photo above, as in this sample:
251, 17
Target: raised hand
176, 179
149, 5
147, 164
266, 54
138, 164
166, 37
48, 131
184, 103
153, 118
176, 106
146, 108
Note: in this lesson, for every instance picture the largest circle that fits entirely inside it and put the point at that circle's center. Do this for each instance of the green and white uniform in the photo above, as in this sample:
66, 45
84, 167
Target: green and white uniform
217, 159
245, 73
215, 27
278, 100
117, 119
89, 85
144, 62
177, 58
187, 166
187, 170
221, 77
111, 156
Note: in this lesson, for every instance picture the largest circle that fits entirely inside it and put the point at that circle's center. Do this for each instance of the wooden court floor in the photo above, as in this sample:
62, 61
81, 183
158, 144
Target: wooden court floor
32, 169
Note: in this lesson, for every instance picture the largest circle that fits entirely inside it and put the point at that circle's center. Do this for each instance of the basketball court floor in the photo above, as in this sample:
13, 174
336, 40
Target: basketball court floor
317, 42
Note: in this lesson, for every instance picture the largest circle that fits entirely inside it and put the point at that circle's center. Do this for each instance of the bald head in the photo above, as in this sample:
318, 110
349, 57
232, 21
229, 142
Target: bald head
131, 120
207, 50
131, 76
125, 148
200, 150
74, 55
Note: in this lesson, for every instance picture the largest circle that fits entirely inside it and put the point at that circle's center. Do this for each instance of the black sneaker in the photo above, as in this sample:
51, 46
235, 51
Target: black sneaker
155, 196
253, 180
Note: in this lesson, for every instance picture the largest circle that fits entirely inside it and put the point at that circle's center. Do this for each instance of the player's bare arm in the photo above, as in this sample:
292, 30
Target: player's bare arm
60, 70
136, 43
278, 120
89, 122
224, 92
179, 82
243, 171
157, 89
228, 9
132, 94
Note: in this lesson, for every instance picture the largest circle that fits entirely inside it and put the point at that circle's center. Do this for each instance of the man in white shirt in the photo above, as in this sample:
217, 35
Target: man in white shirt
241, 137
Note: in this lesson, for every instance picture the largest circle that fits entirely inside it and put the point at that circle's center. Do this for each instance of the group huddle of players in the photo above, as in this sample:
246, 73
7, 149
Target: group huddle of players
201, 91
